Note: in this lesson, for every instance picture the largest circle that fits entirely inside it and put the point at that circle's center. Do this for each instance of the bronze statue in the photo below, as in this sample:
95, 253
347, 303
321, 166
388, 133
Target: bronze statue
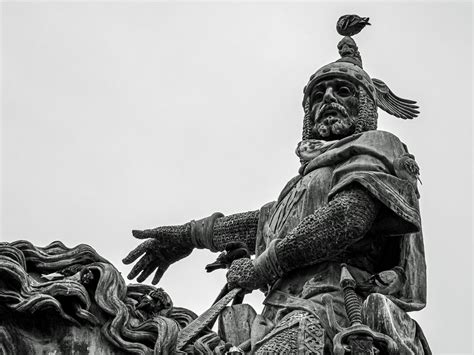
339, 254
352, 209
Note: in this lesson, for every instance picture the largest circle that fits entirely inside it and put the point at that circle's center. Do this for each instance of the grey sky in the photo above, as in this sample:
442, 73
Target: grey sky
120, 116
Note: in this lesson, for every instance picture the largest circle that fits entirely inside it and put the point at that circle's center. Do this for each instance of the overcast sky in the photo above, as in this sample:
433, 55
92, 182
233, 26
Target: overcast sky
120, 116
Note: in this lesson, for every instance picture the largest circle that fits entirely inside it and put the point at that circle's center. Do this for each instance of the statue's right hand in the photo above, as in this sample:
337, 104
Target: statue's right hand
163, 247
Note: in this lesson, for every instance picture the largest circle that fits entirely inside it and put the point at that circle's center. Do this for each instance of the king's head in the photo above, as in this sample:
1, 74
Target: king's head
341, 99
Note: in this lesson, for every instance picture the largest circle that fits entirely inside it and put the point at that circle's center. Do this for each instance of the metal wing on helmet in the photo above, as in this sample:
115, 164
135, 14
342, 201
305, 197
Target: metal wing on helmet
392, 104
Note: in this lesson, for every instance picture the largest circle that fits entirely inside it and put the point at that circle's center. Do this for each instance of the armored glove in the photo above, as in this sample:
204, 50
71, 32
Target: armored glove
253, 274
242, 273
166, 245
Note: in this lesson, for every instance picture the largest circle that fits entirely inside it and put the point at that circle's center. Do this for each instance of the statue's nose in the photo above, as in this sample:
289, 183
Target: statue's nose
329, 96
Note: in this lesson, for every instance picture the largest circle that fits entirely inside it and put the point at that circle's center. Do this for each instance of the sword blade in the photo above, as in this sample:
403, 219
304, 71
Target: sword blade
196, 326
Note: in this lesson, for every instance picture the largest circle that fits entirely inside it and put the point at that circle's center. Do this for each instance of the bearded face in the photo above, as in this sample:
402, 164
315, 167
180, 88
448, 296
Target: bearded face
335, 109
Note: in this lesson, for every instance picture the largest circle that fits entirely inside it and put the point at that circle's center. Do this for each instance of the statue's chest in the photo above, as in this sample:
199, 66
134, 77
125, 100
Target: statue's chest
307, 194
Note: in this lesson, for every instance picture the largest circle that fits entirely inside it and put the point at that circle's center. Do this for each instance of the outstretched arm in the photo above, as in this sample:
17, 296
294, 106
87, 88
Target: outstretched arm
168, 244
239, 227
327, 232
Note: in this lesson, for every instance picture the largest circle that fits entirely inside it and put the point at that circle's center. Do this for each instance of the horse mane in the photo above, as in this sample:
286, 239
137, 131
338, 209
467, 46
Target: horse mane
108, 303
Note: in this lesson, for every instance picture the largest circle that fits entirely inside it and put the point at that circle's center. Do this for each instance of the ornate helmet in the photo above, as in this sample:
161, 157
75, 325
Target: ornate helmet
372, 92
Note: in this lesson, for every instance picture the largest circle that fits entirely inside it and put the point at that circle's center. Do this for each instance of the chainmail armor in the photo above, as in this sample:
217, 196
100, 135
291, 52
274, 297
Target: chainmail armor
177, 237
307, 121
242, 274
329, 231
367, 117
240, 227
179, 232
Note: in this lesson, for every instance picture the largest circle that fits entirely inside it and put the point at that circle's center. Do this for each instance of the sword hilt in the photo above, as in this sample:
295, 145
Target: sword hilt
358, 338
351, 300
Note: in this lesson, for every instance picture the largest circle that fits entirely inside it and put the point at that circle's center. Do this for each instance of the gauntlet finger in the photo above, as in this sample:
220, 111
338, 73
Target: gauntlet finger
147, 270
147, 233
137, 252
159, 274
139, 266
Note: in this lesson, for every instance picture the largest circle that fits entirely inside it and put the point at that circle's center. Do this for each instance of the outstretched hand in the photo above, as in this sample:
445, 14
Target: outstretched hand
163, 247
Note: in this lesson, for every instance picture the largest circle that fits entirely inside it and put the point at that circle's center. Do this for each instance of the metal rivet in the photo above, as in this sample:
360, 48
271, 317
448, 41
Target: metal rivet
325, 70
343, 70
358, 76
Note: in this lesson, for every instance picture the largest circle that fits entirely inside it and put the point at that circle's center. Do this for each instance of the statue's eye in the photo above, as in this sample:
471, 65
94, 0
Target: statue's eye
318, 96
344, 91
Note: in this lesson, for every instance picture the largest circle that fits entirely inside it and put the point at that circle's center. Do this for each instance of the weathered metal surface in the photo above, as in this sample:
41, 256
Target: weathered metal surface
354, 201
235, 323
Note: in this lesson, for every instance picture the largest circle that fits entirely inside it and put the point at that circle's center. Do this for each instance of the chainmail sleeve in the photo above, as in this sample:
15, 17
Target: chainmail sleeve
329, 231
240, 227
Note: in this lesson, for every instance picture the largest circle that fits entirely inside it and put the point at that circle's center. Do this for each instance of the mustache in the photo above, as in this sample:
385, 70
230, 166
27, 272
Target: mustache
332, 106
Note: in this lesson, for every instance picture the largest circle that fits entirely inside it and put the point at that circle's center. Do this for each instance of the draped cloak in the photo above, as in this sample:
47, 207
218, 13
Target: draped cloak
395, 239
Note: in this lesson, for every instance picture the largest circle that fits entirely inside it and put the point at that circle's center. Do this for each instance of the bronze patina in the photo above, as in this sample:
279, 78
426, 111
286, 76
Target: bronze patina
354, 201
339, 254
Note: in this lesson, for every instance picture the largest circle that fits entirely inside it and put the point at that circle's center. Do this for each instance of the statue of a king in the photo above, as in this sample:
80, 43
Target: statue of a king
353, 206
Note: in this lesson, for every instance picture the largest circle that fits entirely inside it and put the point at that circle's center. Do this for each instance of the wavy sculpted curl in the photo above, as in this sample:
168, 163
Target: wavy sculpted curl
24, 290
